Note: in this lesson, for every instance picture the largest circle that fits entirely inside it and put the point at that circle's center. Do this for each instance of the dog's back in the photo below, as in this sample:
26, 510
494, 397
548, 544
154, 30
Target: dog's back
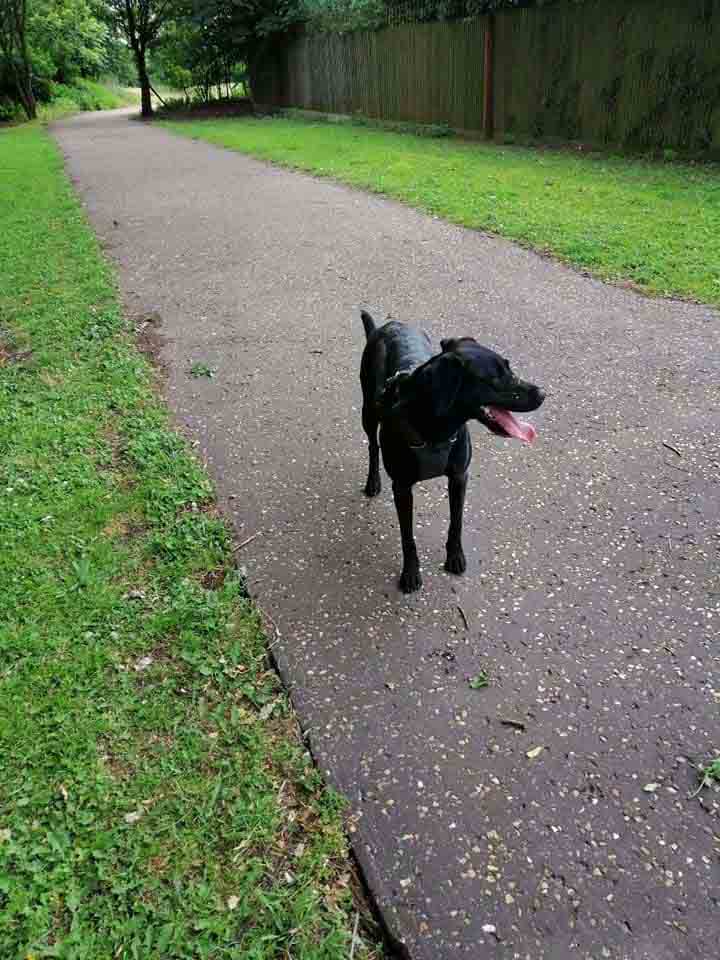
390, 349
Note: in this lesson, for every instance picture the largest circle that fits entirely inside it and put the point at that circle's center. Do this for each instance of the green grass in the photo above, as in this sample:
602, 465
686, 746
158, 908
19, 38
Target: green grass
654, 225
86, 95
712, 771
709, 774
155, 801
201, 370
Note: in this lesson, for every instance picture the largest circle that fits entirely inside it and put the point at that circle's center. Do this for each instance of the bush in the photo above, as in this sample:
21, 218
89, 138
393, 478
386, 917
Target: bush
85, 95
9, 110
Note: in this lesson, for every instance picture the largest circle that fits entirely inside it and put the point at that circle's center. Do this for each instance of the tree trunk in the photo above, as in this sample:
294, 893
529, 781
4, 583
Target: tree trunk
23, 85
31, 106
146, 109
27, 98
13, 44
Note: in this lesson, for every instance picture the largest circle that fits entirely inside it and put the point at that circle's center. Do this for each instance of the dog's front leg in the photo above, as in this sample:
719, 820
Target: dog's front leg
455, 559
410, 579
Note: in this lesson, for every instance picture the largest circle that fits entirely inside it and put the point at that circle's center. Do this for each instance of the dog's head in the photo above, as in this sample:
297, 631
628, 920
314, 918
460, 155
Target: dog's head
468, 382
487, 390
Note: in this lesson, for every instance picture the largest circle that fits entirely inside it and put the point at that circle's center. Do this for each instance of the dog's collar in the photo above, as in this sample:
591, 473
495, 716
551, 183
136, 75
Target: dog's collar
440, 443
411, 435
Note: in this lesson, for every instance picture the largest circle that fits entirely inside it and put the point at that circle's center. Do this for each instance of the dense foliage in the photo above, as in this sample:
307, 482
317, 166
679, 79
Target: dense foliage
47, 46
341, 16
217, 45
202, 47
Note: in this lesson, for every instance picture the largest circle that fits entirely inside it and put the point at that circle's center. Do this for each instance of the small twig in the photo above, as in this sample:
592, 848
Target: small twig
705, 782
515, 724
464, 618
266, 616
354, 936
669, 446
246, 542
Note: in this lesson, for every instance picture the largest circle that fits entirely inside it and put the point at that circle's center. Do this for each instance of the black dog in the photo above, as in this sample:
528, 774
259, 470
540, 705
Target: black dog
422, 404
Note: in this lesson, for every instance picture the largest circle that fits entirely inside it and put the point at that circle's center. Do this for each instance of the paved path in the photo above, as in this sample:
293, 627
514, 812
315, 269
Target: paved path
592, 595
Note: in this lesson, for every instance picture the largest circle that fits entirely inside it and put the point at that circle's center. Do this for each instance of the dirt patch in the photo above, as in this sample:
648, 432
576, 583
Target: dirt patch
118, 527
214, 579
150, 341
10, 352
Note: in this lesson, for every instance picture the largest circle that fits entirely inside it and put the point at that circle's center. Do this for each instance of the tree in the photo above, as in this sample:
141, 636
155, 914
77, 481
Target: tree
197, 60
67, 39
142, 21
15, 51
248, 26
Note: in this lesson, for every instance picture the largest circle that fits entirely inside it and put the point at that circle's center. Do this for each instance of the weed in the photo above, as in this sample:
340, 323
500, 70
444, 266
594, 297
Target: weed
708, 775
200, 369
712, 771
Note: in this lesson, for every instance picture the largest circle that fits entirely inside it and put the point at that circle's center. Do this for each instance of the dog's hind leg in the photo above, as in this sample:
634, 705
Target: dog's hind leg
370, 426
455, 559
410, 579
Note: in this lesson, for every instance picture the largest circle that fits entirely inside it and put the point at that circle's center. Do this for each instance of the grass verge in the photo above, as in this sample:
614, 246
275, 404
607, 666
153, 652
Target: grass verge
654, 225
154, 798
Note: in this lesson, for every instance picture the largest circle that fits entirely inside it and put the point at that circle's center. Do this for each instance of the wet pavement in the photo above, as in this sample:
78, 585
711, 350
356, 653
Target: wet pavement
547, 814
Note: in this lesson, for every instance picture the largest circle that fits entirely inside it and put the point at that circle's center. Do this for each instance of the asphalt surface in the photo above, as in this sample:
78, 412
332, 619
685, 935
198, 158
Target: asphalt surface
592, 597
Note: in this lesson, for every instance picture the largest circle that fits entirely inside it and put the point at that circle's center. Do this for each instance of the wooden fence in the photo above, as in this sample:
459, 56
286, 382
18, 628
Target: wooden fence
607, 71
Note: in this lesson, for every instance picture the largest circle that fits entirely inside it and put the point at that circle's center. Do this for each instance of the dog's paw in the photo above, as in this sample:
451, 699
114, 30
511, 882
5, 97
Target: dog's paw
372, 487
455, 561
410, 580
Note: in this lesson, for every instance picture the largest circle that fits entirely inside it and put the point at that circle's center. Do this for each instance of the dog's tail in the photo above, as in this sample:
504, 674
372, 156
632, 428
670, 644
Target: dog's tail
368, 323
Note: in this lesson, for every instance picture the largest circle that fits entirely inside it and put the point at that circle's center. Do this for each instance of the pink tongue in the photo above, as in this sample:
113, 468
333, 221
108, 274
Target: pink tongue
512, 427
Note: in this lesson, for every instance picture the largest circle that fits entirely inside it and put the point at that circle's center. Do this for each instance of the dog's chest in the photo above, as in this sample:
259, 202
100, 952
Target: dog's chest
431, 460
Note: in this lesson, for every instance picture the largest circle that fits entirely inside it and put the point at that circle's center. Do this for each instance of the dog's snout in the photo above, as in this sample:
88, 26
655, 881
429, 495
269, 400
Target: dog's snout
538, 396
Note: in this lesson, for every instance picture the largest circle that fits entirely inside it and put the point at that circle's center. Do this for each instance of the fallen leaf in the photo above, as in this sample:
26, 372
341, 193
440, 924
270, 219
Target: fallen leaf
535, 752
651, 787
232, 902
268, 709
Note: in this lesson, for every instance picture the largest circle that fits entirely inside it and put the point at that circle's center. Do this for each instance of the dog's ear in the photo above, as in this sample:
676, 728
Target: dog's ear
449, 344
443, 378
